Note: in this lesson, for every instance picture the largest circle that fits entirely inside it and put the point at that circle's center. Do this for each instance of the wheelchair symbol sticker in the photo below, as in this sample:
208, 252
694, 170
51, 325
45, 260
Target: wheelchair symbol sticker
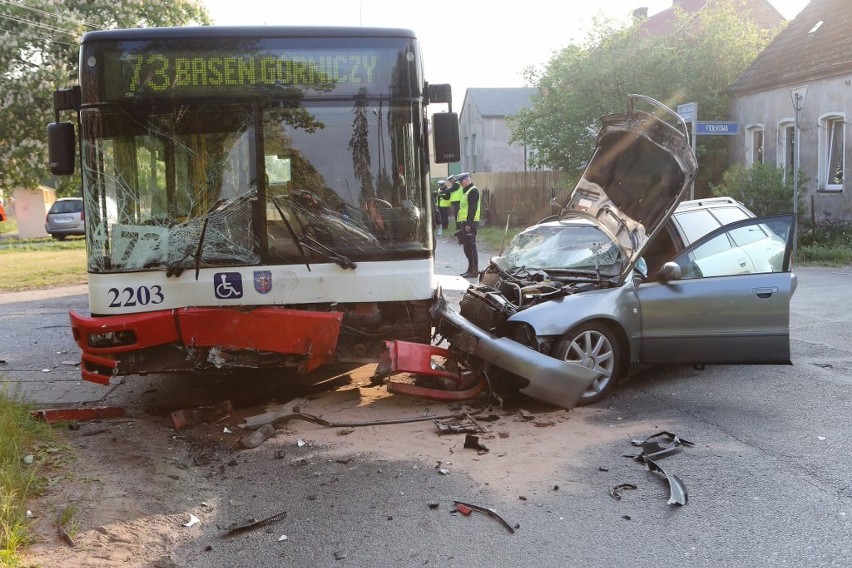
228, 285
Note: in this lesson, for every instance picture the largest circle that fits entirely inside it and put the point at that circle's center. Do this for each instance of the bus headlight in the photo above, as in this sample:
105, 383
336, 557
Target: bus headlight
112, 338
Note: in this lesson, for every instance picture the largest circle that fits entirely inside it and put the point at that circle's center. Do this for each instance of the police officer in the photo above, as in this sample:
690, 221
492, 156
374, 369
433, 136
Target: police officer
444, 204
468, 219
456, 192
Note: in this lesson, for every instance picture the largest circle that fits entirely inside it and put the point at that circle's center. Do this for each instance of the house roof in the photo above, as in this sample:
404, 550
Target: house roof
805, 49
501, 102
761, 12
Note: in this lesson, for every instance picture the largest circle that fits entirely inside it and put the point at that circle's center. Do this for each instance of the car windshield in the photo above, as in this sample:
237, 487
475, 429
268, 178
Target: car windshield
563, 246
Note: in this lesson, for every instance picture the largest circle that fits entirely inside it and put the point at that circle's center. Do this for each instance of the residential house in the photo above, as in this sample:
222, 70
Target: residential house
761, 12
803, 78
484, 132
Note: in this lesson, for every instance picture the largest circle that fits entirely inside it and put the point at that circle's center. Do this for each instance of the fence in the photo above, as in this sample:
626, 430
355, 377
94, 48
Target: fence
525, 198
522, 197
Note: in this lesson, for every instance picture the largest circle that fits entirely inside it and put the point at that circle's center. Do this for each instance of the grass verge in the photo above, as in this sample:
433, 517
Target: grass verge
21, 436
42, 263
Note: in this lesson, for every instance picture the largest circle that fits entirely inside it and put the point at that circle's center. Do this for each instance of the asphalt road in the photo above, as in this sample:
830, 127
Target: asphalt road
769, 477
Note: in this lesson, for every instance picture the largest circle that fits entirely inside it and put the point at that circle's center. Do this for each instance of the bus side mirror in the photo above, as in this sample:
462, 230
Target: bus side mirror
61, 148
445, 131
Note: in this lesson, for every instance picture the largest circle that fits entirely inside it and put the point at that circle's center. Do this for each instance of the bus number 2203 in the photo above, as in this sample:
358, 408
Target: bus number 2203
141, 296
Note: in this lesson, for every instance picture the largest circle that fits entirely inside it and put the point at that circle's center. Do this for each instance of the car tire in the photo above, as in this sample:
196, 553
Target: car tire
595, 346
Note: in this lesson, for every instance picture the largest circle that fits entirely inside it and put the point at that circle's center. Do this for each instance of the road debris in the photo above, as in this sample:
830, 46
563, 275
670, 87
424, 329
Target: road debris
256, 525
323, 422
418, 360
472, 442
203, 414
487, 510
80, 414
257, 437
193, 520
271, 416
615, 492
462, 424
651, 451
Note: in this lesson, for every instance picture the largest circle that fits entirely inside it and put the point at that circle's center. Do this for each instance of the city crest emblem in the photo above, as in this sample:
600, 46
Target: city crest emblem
263, 281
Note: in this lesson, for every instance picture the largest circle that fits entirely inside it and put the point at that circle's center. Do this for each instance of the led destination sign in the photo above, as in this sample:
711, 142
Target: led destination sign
242, 71
161, 72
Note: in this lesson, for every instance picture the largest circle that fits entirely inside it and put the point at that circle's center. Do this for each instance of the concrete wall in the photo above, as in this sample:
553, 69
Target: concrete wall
31, 207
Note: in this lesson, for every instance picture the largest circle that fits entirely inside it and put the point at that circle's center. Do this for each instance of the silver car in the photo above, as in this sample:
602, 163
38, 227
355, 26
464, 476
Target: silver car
621, 279
65, 217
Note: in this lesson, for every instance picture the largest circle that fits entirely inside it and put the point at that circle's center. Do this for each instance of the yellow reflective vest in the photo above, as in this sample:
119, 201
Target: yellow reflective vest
465, 204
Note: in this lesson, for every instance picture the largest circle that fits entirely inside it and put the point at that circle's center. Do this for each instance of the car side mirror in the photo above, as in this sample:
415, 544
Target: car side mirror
670, 271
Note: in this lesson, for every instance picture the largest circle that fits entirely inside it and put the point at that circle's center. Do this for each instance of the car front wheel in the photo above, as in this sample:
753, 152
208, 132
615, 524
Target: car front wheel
594, 346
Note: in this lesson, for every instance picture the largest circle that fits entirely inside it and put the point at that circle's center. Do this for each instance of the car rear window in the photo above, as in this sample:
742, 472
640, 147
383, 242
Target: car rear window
74, 206
728, 215
696, 224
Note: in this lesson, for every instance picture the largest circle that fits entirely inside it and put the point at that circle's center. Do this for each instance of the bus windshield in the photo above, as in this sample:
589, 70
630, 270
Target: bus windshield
206, 177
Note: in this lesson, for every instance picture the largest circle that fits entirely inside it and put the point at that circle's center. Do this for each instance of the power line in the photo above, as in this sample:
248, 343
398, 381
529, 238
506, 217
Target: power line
56, 15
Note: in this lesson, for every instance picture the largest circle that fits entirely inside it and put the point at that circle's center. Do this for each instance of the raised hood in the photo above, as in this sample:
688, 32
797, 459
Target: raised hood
641, 170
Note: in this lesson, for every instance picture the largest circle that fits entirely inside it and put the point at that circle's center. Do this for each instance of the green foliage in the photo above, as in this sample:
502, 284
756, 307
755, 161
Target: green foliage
39, 54
763, 188
20, 435
695, 63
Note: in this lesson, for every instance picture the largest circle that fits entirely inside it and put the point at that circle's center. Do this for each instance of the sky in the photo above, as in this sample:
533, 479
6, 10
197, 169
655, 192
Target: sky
467, 43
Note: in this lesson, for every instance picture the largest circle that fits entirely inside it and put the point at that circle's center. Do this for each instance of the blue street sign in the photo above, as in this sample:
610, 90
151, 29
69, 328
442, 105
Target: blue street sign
718, 128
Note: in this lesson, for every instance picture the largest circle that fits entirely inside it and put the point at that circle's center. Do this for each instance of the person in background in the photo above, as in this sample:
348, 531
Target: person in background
456, 192
444, 204
468, 219
2, 212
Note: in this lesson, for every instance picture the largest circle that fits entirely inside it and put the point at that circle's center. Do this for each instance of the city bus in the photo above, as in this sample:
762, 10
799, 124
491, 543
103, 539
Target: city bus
255, 197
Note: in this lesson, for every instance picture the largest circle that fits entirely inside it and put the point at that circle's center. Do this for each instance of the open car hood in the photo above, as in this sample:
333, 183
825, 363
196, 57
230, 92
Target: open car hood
640, 171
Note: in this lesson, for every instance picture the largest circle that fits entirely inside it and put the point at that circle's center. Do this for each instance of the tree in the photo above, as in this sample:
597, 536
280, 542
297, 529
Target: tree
39, 53
582, 82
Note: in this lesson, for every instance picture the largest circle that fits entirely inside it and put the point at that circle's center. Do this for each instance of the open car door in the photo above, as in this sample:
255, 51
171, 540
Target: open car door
727, 301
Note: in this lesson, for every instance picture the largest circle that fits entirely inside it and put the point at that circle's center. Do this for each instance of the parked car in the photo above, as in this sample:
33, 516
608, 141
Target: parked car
628, 276
65, 217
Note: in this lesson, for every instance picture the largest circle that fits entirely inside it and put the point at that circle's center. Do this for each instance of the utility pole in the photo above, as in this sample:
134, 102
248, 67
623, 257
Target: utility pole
798, 96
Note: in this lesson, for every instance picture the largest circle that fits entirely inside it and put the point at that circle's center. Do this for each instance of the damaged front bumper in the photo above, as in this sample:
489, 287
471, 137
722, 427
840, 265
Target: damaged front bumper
192, 338
550, 380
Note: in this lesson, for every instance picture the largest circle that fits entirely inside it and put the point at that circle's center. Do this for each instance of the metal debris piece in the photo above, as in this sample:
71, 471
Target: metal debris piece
323, 422
206, 414
673, 437
615, 492
462, 424
80, 414
256, 524
651, 451
472, 442
487, 510
677, 490
416, 358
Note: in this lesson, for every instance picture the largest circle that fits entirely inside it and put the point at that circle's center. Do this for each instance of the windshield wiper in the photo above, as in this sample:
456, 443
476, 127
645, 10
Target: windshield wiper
308, 242
291, 231
219, 206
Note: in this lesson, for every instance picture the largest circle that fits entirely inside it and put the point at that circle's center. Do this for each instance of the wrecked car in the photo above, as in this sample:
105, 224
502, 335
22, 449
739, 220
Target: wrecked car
613, 284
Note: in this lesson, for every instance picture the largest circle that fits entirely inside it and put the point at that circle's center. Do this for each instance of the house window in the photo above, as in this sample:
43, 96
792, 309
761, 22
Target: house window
787, 146
832, 155
754, 145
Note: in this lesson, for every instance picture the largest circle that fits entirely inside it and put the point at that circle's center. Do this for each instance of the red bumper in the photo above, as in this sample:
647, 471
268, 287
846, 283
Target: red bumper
312, 335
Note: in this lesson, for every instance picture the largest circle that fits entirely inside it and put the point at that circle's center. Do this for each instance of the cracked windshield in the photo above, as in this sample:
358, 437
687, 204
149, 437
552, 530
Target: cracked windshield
237, 185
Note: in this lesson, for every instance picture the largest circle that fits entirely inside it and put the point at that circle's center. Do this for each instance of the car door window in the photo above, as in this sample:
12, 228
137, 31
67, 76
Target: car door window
746, 247
696, 224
